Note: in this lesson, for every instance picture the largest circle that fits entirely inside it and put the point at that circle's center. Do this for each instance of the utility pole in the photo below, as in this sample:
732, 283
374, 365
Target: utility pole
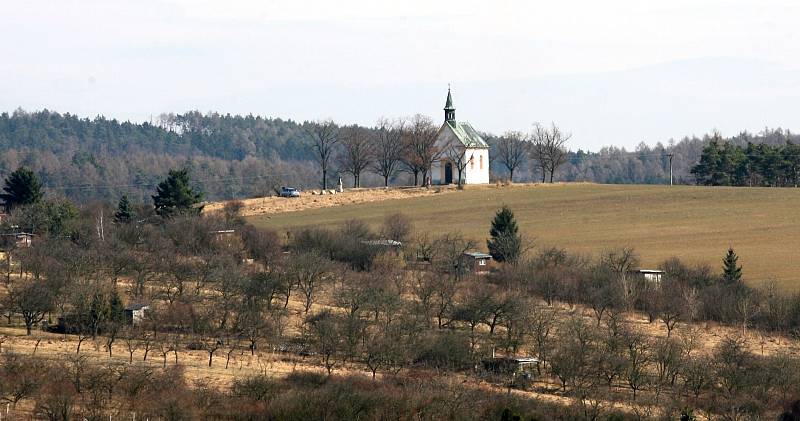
670, 155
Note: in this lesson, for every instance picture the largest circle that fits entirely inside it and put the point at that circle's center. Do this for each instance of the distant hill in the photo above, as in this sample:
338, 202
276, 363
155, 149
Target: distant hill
232, 156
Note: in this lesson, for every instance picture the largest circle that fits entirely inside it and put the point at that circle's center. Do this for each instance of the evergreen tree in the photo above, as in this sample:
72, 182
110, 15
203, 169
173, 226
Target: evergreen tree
505, 243
22, 188
731, 273
115, 309
124, 214
176, 196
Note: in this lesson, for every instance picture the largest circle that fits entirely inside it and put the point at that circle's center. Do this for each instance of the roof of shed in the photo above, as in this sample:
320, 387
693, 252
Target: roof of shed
478, 255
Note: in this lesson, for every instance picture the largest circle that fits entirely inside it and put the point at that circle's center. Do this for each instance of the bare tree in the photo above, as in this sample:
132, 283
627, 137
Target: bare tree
356, 153
537, 149
389, 148
421, 150
511, 151
555, 149
32, 300
308, 272
621, 262
639, 357
455, 152
548, 148
324, 138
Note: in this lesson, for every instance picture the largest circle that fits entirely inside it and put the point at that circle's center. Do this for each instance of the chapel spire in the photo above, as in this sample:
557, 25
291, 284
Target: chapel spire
449, 109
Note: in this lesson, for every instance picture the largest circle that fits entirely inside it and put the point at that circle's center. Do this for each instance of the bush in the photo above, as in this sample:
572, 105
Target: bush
448, 350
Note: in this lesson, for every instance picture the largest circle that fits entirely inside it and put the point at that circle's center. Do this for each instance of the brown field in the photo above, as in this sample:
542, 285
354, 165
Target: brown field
696, 224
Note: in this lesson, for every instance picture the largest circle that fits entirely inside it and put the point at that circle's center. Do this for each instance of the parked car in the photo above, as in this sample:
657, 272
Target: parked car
289, 192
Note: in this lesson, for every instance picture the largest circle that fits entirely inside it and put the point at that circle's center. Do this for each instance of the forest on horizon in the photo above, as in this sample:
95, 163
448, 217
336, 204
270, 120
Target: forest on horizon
234, 156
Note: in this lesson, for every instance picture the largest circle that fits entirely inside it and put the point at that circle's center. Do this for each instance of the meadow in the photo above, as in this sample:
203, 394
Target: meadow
696, 224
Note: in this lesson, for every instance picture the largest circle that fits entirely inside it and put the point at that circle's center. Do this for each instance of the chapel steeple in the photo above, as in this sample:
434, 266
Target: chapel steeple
449, 109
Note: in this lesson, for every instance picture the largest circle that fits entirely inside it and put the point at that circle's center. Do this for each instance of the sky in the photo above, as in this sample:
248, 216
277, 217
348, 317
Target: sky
611, 73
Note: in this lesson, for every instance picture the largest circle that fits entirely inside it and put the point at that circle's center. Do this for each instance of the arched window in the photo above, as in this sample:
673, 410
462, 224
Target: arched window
481, 159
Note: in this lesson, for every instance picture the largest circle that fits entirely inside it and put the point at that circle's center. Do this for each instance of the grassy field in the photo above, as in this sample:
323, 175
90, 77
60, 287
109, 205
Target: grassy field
696, 224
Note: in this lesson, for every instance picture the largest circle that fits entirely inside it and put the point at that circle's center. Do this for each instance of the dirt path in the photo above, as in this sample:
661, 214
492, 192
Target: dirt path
308, 200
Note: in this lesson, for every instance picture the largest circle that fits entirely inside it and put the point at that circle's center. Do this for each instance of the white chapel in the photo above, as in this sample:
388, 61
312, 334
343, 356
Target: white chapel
461, 147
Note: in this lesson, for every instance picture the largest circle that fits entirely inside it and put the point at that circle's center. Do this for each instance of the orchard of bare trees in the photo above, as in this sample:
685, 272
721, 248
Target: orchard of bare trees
374, 319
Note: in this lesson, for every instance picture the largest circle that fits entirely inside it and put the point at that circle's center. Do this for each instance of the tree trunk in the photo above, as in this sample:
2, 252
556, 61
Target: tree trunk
324, 179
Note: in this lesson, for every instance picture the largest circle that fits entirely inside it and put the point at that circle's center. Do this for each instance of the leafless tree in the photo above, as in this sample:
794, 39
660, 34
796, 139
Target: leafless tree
356, 153
621, 262
556, 149
308, 270
397, 227
537, 149
454, 152
639, 357
324, 138
389, 148
548, 148
421, 150
748, 306
511, 151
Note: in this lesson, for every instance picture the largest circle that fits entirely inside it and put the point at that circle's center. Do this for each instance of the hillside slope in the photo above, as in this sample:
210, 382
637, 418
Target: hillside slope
696, 224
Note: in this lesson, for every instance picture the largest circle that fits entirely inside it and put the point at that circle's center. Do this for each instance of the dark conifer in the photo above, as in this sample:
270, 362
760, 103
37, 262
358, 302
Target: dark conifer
175, 195
731, 273
124, 213
22, 188
505, 244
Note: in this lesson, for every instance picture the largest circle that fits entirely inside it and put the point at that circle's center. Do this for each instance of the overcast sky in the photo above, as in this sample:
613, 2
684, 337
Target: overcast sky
613, 72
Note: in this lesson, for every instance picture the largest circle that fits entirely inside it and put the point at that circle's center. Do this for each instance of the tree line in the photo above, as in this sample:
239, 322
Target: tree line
244, 156
727, 164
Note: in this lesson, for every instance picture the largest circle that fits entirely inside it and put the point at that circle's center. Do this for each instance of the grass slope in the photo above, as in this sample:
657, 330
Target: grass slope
696, 224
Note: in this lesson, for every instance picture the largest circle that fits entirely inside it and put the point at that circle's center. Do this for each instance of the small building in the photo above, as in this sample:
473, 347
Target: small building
462, 148
135, 313
650, 275
510, 365
383, 244
16, 240
477, 262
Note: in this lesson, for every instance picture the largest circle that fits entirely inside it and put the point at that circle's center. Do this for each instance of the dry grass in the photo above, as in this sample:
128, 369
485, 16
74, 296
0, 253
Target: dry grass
271, 205
696, 224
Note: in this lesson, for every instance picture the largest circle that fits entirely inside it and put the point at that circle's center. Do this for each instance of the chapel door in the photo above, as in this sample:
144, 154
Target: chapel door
448, 173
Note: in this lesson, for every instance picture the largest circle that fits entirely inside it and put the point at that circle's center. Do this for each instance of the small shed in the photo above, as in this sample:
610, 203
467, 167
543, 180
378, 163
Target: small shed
16, 240
135, 313
477, 262
383, 243
510, 365
651, 275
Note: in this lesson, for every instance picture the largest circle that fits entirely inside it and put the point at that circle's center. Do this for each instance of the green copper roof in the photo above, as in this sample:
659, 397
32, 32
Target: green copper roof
448, 105
468, 136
